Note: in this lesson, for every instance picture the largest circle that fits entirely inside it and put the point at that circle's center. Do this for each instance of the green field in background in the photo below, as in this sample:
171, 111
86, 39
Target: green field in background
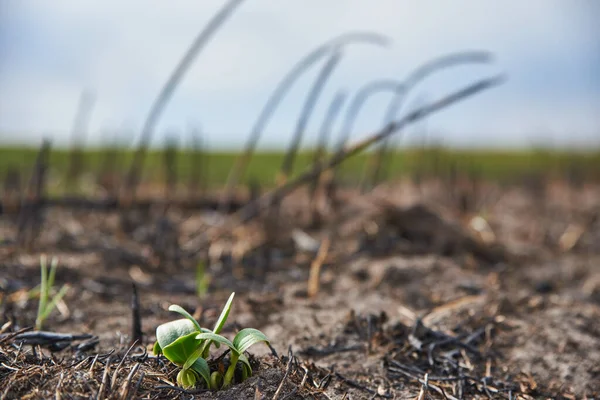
264, 165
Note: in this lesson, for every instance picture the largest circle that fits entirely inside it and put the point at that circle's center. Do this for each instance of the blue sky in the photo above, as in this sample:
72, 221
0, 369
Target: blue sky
53, 50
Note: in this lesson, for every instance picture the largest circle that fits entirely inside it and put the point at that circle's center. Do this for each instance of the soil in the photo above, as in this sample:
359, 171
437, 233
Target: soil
411, 303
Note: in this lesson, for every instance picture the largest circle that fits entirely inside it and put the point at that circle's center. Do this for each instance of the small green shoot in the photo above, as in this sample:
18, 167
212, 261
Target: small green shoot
242, 341
47, 282
202, 280
186, 344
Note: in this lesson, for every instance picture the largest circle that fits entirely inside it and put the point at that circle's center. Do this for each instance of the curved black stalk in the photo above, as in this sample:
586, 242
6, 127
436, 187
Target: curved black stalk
197, 163
169, 87
381, 156
334, 109
77, 165
284, 86
252, 210
170, 167
358, 102
307, 109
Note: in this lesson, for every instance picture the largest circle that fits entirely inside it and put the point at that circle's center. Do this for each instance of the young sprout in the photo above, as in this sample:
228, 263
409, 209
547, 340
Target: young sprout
47, 282
202, 280
242, 342
177, 341
186, 344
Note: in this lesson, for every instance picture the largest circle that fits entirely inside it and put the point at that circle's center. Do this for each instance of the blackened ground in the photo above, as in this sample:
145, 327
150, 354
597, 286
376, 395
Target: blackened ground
403, 307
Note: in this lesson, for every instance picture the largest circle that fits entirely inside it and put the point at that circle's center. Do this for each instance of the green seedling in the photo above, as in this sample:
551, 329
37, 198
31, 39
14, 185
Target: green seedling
47, 282
186, 344
202, 280
242, 341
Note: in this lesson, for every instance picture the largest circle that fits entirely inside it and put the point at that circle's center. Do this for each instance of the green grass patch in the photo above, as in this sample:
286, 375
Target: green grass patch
263, 168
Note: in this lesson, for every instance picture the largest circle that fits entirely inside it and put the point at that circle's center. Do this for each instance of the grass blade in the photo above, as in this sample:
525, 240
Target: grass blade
53, 266
43, 292
54, 301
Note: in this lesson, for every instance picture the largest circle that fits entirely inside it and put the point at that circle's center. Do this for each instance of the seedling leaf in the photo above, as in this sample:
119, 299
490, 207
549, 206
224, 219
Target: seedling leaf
195, 355
201, 367
186, 378
246, 367
248, 337
181, 349
224, 314
156, 349
171, 331
216, 380
219, 339
178, 309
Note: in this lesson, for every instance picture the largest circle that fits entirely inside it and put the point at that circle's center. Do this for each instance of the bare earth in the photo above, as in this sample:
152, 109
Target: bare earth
410, 304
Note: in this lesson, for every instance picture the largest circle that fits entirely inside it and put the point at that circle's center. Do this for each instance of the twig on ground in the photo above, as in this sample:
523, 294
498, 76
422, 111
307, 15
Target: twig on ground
136, 318
315, 268
286, 374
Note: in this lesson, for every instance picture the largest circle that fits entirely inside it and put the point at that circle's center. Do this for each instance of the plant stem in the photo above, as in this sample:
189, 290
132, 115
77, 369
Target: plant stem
205, 349
53, 266
231, 370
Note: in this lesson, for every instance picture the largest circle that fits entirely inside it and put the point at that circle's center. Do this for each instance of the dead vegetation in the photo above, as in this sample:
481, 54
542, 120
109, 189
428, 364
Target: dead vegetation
409, 301
444, 285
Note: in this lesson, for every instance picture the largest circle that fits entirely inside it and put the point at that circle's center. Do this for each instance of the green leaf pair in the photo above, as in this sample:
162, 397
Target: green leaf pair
186, 344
